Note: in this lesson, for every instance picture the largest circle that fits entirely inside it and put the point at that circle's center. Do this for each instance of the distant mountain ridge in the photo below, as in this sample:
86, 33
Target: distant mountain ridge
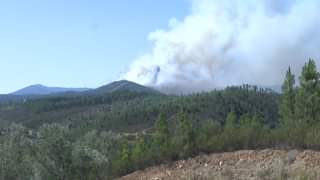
39, 89
122, 85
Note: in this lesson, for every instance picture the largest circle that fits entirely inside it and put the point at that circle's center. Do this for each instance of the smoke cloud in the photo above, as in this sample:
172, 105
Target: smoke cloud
231, 42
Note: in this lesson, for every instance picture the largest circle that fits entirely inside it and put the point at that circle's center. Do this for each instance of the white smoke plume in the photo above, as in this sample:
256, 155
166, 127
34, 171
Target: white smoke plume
231, 42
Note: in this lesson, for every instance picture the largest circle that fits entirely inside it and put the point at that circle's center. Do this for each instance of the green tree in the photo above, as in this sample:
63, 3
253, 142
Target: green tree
126, 155
90, 156
55, 152
250, 131
15, 160
287, 106
139, 153
230, 138
231, 121
123, 162
185, 136
161, 136
207, 134
308, 97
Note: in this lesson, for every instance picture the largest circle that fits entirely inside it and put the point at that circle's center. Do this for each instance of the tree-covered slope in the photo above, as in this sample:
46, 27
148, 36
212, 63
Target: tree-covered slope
124, 109
123, 85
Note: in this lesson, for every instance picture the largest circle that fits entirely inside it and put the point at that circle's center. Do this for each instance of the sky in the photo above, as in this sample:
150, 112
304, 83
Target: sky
76, 43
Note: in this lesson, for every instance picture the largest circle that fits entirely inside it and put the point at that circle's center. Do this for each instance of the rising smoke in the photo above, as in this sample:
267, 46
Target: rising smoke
231, 42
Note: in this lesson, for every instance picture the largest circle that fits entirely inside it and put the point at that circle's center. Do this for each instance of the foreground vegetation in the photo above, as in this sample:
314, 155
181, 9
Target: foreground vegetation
102, 137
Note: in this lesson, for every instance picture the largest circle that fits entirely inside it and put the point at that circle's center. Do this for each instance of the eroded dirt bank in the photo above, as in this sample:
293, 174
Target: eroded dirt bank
241, 165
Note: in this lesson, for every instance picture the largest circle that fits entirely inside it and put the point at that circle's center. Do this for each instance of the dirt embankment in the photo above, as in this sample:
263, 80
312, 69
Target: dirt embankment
240, 165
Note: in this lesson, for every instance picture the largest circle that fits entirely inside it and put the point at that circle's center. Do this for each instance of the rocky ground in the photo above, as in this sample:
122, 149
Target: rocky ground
241, 165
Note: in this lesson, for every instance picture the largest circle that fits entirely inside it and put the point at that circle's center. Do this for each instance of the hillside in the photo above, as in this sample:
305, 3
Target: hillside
44, 92
123, 85
132, 111
241, 165
39, 89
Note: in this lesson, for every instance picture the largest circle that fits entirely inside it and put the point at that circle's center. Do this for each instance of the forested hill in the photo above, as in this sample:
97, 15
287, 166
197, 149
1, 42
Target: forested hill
40, 91
131, 110
123, 85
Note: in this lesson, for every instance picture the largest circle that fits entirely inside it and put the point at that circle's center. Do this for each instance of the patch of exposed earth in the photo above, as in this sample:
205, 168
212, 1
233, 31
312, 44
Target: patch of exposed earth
241, 165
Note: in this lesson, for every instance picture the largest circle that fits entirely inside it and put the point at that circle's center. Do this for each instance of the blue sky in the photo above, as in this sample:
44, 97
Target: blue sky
76, 43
